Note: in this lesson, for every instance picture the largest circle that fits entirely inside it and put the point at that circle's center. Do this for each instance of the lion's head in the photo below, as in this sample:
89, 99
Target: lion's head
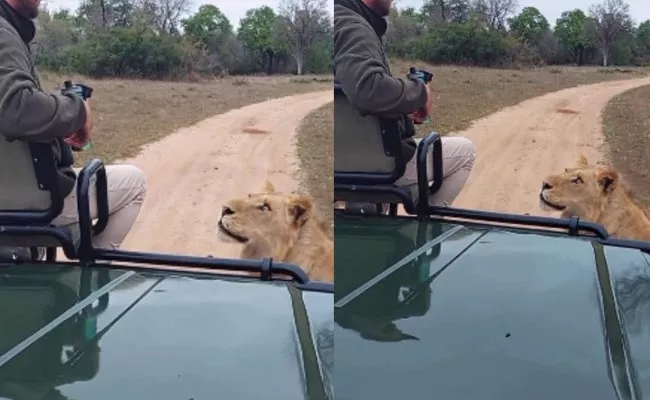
582, 190
268, 219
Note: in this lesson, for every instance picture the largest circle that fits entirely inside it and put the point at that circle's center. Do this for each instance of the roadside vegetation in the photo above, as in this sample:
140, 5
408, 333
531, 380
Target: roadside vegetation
626, 124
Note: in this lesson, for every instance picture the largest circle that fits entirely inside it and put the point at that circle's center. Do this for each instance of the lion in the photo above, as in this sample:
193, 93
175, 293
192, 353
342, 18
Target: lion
597, 194
284, 227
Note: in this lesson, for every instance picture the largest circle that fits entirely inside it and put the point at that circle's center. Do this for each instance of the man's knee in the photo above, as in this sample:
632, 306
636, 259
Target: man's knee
129, 177
139, 180
469, 149
460, 147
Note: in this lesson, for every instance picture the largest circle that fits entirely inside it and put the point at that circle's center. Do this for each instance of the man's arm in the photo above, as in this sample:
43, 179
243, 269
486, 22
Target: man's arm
363, 77
26, 112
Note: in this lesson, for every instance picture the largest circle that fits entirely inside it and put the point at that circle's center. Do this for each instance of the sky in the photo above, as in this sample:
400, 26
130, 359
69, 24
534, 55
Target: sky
235, 9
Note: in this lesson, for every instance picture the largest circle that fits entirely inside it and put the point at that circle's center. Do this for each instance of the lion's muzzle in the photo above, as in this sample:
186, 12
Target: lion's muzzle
544, 198
225, 210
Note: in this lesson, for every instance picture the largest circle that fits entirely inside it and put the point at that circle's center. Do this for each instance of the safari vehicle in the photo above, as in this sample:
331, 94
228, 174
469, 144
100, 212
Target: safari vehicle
449, 303
113, 324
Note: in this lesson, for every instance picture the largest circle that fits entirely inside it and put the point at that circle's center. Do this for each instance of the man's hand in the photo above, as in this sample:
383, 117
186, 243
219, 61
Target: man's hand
420, 115
78, 139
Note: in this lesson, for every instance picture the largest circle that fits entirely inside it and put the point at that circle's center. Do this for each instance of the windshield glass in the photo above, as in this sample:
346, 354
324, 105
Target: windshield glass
429, 304
100, 333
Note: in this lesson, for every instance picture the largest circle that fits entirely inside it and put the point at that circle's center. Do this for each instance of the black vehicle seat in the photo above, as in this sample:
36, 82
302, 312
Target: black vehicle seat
368, 160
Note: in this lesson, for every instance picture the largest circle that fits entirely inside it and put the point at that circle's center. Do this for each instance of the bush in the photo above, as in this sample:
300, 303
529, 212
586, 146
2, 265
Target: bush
127, 52
462, 43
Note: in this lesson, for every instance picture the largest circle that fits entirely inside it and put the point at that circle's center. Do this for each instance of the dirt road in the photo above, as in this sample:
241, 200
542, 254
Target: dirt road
192, 173
518, 146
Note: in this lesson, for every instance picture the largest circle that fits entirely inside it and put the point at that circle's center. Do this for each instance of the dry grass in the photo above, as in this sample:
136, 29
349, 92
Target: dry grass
626, 125
466, 94
129, 114
316, 153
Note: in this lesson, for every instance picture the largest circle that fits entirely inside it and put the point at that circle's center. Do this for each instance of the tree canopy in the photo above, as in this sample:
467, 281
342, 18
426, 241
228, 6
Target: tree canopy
161, 39
490, 33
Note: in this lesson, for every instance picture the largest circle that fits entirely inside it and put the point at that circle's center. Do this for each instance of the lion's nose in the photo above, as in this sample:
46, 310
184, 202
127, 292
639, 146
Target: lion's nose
546, 185
226, 211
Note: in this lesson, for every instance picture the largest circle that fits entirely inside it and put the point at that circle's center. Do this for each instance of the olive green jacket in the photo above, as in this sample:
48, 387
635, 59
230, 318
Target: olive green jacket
363, 71
27, 112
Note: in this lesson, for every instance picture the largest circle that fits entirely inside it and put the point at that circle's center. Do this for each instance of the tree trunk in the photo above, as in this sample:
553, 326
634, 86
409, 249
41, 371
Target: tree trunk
269, 56
298, 64
581, 53
103, 7
605, 55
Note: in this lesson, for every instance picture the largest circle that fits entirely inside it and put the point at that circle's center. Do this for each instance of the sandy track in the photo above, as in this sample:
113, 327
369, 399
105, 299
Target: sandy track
518, 146
192, 172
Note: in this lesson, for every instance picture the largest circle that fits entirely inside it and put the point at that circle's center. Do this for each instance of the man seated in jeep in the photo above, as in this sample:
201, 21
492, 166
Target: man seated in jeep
28, 113
362, 68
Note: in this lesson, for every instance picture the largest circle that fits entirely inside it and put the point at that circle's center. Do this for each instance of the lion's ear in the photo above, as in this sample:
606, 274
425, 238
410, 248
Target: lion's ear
267, 187
607, 179
582, 162
300, 208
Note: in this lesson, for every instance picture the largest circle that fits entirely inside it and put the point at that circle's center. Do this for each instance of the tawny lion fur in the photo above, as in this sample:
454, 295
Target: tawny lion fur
597, 194
284, 227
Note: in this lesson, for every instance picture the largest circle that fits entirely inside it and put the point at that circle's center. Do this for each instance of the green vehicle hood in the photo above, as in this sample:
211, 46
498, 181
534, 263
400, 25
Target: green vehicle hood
96, 334
431, 310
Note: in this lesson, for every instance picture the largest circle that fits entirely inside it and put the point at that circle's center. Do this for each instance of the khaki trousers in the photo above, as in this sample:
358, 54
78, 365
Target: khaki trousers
458, 154
126, 191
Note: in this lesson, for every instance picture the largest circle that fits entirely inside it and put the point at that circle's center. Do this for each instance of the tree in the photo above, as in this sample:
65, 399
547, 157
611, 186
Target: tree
458, 11
167, 13
611, 18
123, 13
301, 23
56, 35
432, 12
94, 14
445, 11
494, 12
404, 29
571, 31
643, 41
209, 27
530, 25
257, 31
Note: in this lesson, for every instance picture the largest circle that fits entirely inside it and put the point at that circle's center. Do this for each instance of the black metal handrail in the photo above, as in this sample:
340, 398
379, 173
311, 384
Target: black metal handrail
573, 225
95, 168
268, 269
431, 140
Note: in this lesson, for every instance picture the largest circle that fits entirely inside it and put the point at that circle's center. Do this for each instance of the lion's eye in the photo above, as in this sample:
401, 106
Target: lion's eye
264, 207
576, 180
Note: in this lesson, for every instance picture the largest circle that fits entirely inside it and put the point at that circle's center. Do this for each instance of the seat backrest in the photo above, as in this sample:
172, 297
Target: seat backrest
29, 181
367, 148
